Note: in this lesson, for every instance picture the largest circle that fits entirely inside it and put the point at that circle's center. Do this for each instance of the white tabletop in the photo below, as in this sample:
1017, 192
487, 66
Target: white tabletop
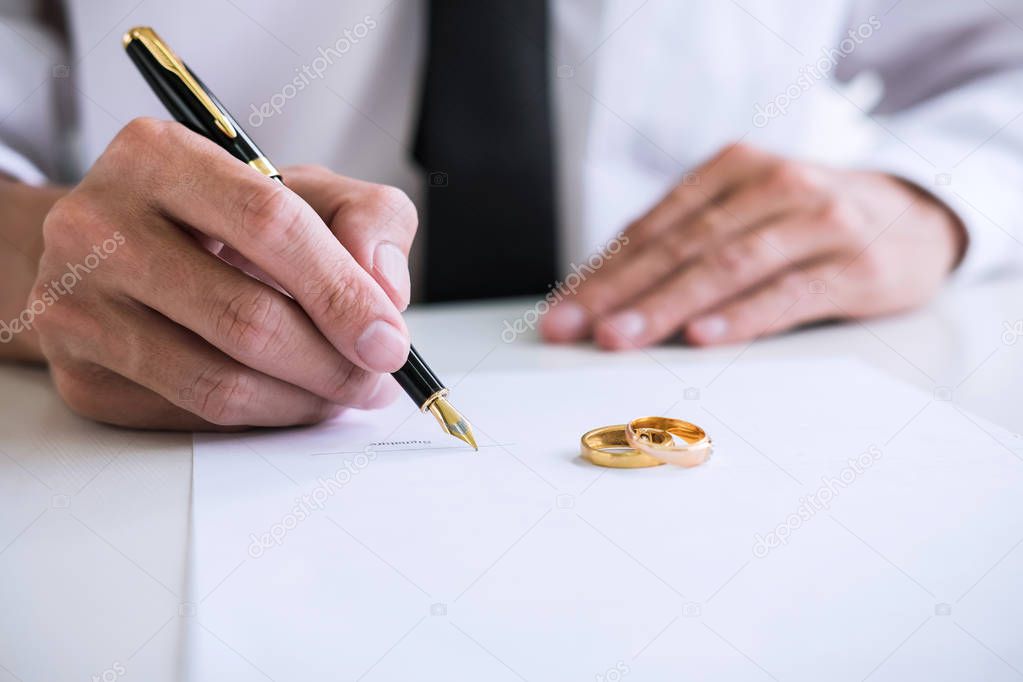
90, 514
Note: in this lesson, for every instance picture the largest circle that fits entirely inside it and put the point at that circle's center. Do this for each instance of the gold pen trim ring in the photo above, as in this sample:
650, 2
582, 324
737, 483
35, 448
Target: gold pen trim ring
263, 165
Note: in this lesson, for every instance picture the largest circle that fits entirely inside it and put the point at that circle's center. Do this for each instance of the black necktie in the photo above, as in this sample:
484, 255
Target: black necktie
484, 140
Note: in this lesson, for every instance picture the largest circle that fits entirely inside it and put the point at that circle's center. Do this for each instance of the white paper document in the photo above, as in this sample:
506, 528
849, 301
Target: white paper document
847, 526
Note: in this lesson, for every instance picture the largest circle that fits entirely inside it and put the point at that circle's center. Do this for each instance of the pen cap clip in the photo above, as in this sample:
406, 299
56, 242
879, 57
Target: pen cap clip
170, 61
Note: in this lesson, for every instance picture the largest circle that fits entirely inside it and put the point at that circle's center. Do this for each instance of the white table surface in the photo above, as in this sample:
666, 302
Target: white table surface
94, 521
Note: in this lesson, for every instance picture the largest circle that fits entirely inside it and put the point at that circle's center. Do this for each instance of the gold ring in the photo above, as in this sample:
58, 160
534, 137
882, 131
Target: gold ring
646, 435
607, 447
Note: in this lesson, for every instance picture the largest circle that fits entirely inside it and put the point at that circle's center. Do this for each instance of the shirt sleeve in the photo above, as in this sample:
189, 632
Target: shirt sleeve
950, 119
16, 166
34, 82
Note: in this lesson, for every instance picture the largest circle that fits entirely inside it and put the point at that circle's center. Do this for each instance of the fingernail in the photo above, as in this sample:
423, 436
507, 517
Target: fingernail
382, 348
710, 328
565, 321
629, 324
391, 265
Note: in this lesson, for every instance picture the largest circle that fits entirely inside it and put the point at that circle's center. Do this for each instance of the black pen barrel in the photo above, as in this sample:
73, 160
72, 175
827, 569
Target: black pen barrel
418, 380
186, 108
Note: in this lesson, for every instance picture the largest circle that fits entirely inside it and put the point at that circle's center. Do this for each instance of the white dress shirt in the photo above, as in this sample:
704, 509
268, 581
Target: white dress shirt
643, 91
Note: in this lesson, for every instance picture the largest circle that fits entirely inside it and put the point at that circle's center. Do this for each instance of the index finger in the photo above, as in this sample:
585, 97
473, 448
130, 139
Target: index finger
734, 165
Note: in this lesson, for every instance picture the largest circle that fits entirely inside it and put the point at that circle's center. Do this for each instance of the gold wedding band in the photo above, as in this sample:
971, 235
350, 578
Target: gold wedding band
651, 436
608, 447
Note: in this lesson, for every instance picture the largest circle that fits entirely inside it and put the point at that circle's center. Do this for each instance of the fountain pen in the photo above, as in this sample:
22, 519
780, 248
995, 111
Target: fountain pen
192, 104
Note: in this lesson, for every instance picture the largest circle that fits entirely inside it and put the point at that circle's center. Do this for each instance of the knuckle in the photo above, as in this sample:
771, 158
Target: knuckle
339, 383
70, 326
342, 299
314, 169
347, 384
681, 194
700, 290
75, 219
52, 324
595, 295
710, 223
271, 214
707, 230
140, 150
676, 247
739, 149
792, 286
222, 394
73, 213
838, 216
871, 266
791, 178
393, 198
144, 131
62, 221
135, 346
251, 322
74, 390
64, 211
83, 389
740, 254
639, 229
387, 205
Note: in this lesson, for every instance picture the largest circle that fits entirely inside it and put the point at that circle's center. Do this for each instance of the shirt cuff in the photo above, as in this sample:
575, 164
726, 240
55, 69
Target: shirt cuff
19, 168
990, 247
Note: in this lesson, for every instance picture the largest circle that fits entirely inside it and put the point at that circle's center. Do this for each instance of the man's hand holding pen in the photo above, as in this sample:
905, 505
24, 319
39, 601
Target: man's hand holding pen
239, 301
168, 332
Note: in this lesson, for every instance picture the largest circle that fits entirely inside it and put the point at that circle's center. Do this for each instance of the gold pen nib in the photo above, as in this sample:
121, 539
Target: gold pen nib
451, 421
